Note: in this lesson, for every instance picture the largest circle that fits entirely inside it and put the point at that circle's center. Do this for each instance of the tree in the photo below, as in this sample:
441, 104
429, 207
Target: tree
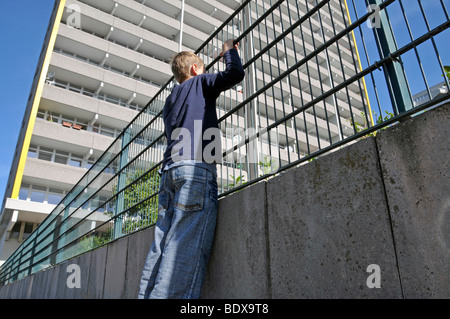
380, 119
139, 200
447, 71
137, 203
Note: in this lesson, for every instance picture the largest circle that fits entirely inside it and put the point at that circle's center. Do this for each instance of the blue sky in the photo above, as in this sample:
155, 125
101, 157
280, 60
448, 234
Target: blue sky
23, 25
426, 52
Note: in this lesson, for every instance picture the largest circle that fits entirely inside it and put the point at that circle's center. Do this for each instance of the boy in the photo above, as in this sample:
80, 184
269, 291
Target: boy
184, 232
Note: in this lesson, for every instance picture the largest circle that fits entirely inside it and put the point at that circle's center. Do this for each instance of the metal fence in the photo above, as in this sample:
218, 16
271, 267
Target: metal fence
319, 75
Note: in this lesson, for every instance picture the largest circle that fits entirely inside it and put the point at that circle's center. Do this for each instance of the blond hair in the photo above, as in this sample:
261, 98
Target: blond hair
181, 64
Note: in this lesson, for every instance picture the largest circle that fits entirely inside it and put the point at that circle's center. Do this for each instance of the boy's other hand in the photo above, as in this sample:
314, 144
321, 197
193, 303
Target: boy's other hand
227, 45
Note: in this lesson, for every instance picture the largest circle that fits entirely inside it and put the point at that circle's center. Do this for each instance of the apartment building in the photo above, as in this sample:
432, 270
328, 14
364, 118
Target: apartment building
434, 92
103, 61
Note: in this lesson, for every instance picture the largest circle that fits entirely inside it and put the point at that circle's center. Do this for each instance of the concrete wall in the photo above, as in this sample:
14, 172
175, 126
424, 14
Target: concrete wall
110, 272
312, 231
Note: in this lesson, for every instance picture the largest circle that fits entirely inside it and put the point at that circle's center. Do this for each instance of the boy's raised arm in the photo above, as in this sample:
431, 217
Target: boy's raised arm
234, 72
227, 45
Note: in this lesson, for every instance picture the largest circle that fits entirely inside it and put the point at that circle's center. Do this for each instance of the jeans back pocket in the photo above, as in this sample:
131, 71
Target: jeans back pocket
190, 184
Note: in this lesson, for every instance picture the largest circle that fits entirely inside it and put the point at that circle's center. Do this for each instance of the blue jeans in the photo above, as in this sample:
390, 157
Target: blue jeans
176, 264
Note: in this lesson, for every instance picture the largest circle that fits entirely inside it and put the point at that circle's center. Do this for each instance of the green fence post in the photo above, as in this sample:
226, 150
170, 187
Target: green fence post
121, 183
394, 71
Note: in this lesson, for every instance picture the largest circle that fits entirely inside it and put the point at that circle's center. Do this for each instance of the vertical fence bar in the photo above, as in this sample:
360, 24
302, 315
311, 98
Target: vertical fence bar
121, 183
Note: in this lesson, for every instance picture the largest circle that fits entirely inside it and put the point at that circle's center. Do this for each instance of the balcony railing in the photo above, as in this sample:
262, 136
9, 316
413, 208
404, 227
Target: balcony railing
319, 75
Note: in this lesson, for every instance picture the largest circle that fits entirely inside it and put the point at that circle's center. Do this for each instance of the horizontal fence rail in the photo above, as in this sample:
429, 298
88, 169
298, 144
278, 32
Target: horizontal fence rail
319, 75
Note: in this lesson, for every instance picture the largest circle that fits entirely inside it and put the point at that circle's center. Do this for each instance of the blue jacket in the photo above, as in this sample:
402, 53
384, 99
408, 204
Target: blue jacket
191, 106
